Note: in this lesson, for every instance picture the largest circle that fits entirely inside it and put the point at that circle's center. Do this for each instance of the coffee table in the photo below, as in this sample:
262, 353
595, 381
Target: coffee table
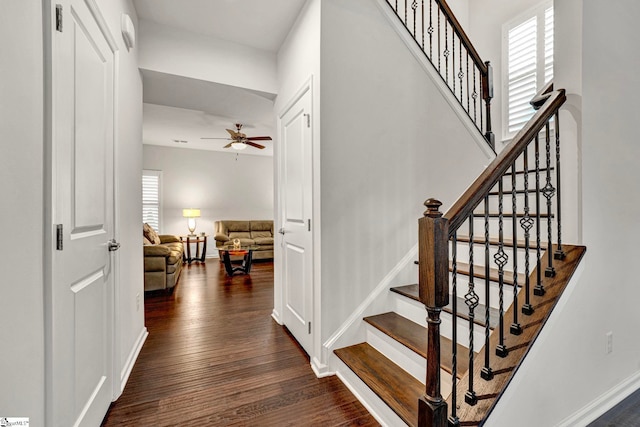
228, 251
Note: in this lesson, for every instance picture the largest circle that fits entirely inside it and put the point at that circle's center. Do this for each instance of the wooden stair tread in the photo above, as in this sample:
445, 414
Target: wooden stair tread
414, 337
399, 390
508, 243
411, 291
518, 345
478, 272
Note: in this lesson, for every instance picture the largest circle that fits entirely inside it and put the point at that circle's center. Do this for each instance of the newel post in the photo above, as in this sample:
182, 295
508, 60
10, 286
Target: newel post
433, 256
487, 94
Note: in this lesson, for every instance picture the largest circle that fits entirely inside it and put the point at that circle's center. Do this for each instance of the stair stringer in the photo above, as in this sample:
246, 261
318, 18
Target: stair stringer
434, 75
522, 389
353, 331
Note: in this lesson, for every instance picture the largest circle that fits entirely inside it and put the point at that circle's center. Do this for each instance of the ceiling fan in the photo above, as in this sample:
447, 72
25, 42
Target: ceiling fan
239, 140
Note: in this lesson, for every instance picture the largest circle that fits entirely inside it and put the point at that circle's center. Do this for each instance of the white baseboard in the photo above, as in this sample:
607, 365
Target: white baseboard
320, 369
602, 404
276, 316
131, 360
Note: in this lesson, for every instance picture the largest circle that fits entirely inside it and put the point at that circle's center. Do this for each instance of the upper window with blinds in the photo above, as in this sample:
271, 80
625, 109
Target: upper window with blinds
528, 53
151, 198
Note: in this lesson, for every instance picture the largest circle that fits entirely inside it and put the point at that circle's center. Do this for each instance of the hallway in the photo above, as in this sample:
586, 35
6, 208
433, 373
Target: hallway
214, 356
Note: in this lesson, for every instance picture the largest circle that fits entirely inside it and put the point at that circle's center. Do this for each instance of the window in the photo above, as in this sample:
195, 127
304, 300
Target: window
151, 198
528, 49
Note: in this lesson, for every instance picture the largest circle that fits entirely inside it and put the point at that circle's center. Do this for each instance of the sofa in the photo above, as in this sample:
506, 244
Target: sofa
254, 232
163, 256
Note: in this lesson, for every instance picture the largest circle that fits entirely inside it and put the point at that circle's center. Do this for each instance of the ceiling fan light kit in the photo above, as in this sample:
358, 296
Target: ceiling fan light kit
239, 140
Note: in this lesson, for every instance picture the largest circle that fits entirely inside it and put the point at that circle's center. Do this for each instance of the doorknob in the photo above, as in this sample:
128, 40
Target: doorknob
113, 245
281, 231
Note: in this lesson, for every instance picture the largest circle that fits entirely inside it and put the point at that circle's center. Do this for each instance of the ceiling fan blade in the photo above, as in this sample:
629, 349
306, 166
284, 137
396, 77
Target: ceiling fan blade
259, 138
233, 133
228, 145
253, 144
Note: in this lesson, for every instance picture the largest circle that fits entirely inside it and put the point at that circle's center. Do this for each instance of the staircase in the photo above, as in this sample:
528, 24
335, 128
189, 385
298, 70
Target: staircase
490, 272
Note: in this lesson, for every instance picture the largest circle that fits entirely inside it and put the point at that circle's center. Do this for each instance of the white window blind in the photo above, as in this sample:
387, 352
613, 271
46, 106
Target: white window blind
151, 198
529, 58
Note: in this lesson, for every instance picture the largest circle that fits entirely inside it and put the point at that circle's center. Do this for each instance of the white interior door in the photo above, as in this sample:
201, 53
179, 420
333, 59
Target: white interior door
296, 215
80, 350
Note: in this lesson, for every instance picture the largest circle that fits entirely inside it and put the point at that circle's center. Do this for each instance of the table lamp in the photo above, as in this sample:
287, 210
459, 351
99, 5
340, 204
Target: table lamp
191, 214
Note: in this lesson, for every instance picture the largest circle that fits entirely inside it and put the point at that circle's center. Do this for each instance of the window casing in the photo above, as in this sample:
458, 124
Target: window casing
528, 59
152, 198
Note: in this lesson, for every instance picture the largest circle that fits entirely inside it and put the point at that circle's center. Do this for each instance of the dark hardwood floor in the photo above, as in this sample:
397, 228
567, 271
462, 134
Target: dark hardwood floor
214, 356
624, 414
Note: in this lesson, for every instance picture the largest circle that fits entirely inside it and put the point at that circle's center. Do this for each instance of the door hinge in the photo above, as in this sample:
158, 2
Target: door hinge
59, 17
308, 225
59, 237
308, 116
309, 327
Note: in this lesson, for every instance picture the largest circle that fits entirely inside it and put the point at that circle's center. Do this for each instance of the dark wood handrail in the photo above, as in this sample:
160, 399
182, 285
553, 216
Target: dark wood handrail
476, 193
541, 97
448, 13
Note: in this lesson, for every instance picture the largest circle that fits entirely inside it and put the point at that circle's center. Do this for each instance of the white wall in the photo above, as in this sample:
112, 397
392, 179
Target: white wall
21, 160
173, 51
571, 360
390, 140
128, 163
222, 186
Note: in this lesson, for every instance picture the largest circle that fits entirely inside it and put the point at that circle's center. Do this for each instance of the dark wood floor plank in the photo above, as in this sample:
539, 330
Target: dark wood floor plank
214, 356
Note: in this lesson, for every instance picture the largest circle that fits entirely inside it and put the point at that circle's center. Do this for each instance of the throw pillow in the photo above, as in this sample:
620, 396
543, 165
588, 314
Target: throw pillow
150, 234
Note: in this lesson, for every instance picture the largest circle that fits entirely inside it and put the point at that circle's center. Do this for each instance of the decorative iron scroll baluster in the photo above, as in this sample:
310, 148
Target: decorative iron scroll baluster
559, 254
475, 98
515, 329
472, 300
414, 6
453, 61
439, 55
422, 23
548, 191
488, 96
468, 105
487, 372
526, 222
460, 73
501, 258
446, 52
539, 288
430, 30
453, 419
406, 21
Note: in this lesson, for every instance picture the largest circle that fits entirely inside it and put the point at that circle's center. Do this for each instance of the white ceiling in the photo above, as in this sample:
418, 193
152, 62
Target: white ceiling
185, 109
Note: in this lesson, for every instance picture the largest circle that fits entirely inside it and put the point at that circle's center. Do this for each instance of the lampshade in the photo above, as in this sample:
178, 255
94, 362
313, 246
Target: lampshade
191, 213
238, 145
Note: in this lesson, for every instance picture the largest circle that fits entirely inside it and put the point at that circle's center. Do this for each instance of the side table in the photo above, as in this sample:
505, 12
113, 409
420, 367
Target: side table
188, 240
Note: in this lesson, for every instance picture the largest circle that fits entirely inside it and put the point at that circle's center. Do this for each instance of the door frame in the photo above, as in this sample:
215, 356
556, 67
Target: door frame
317, 359
49, 238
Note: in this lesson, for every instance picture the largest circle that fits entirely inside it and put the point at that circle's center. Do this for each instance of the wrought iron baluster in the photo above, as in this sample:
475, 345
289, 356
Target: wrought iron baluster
559, 254
515, 329
446, 52
539, 288
430, 30
406, 21
453, 419
487, 372
526, 222
414, 6
501, 258
422, 23
472, 300
453, 60
548, 191
475, 98
460, 73
439, 55
468, 104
